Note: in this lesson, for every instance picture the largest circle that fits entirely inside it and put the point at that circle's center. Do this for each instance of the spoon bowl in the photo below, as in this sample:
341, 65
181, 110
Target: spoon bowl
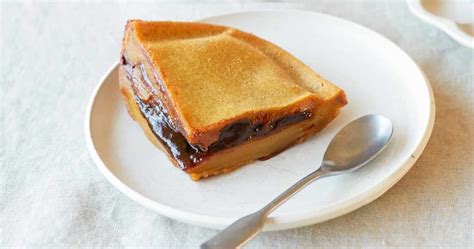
357, 143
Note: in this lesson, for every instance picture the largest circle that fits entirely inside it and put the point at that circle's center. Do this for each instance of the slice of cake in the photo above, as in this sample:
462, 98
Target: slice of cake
214, 98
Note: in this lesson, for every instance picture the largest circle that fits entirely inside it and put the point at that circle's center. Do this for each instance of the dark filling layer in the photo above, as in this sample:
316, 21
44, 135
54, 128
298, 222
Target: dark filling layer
186, 154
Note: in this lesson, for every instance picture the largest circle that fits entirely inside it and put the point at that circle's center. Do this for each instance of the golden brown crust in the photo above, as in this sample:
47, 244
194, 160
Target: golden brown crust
256, 81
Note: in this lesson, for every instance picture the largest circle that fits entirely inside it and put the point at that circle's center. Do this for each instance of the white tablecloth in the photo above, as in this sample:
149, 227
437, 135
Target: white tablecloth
52, 56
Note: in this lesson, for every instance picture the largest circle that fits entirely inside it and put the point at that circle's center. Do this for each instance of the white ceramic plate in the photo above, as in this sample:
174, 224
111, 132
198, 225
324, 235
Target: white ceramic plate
377, 76
455, 17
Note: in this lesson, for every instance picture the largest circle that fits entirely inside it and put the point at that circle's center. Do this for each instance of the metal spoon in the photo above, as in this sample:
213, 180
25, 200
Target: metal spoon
353, 146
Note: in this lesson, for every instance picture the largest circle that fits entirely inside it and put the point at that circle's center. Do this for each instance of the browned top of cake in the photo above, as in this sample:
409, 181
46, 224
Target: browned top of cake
215, 76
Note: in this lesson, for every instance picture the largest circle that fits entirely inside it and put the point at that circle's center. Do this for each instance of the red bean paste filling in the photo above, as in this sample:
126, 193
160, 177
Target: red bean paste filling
188, 155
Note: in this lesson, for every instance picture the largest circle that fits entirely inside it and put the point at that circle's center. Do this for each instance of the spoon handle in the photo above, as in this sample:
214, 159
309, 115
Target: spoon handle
291, 191
244, 229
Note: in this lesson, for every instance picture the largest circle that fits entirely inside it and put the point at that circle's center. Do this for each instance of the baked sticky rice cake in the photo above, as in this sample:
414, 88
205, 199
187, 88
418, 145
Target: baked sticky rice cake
214, 98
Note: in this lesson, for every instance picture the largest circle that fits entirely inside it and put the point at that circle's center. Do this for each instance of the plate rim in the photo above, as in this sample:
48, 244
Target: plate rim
274, 223
444, 24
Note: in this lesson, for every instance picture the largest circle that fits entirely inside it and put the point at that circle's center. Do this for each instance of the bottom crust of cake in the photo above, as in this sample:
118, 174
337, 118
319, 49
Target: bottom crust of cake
260, 148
